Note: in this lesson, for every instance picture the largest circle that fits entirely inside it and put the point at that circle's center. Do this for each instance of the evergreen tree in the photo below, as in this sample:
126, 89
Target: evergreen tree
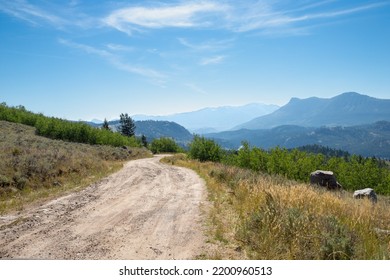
144, 141
127, 125
105, 125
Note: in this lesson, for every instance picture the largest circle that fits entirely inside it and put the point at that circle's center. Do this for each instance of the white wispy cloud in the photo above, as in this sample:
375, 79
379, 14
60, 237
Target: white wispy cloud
195, 88
233, 16
120, 48
210, 45
25, 11
182, 15
52, 14
212, 60
156, 76
268, 16
230, 15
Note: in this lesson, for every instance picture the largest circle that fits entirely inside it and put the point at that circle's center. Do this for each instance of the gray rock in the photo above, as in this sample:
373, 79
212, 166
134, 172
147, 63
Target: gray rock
324, 179
366, 193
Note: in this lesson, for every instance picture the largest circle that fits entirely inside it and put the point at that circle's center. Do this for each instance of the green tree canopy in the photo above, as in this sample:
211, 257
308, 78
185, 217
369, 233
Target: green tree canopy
127, 125
205, 149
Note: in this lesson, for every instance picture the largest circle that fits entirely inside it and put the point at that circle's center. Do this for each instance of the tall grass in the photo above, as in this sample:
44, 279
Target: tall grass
261, 216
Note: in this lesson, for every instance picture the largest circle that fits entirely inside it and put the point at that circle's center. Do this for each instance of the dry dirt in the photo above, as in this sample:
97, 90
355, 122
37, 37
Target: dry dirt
147, 210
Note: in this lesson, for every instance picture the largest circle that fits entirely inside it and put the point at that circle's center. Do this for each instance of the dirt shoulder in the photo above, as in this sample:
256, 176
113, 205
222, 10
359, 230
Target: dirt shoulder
147, 210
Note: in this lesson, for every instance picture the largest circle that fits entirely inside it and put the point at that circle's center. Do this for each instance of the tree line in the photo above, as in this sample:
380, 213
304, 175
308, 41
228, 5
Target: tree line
352, 171
56, 128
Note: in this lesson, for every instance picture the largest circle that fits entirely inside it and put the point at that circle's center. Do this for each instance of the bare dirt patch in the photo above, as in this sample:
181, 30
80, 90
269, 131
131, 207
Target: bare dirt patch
147, 210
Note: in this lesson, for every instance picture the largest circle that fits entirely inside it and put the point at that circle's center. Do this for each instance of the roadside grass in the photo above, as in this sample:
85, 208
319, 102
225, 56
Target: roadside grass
259, 216
35, 168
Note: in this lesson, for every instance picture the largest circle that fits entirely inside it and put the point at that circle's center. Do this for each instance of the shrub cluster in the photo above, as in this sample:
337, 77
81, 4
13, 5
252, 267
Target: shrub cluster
204, 149
164, 145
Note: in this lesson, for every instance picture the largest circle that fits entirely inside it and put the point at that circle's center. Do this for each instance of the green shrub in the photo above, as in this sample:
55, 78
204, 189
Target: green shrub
204, 149
164, 145
4, 181
20, 181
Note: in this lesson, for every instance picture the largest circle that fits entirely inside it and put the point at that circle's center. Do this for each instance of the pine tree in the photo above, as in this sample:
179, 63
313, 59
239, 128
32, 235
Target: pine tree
127, 125
144, 141
105, 125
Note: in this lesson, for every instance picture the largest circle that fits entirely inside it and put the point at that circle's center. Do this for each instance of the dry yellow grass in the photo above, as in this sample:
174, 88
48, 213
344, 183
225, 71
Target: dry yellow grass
257, 216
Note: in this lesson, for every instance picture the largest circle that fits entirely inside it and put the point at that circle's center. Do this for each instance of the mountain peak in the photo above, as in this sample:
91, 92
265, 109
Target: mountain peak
349, 108
351, 95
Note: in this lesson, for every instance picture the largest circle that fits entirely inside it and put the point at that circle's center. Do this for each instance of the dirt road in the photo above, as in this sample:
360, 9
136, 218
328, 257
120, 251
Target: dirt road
147, 210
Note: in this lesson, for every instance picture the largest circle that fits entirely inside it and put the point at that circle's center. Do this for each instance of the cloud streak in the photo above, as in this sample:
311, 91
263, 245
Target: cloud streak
187, 15
212, 60
196, 88
30, 13
233, 16
49, 14
210, 45
117, 62
229, 15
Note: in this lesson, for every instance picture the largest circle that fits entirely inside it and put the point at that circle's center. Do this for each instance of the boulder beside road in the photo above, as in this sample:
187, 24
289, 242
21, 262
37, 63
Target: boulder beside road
366, 193
324, 179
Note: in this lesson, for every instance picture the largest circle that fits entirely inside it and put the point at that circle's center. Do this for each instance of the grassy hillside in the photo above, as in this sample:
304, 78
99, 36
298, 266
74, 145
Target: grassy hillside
254, 215
61, 129
34, 167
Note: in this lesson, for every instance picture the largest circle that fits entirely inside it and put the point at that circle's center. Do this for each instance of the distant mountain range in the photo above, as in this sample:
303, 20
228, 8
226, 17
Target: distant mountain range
365, 140
350, 121
346, 109
215, 119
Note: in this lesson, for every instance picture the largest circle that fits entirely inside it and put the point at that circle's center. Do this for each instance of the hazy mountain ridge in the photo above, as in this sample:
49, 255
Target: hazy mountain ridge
350, 121
214, 119
367, 140
346, 109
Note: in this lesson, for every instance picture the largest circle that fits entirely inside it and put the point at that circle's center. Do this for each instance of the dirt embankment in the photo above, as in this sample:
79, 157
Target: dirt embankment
147, 210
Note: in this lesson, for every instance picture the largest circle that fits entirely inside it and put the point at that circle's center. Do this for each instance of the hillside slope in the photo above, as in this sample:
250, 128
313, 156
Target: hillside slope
33, 166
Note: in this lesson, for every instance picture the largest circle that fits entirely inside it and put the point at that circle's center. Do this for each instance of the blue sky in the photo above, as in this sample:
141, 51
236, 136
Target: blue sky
85, 59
